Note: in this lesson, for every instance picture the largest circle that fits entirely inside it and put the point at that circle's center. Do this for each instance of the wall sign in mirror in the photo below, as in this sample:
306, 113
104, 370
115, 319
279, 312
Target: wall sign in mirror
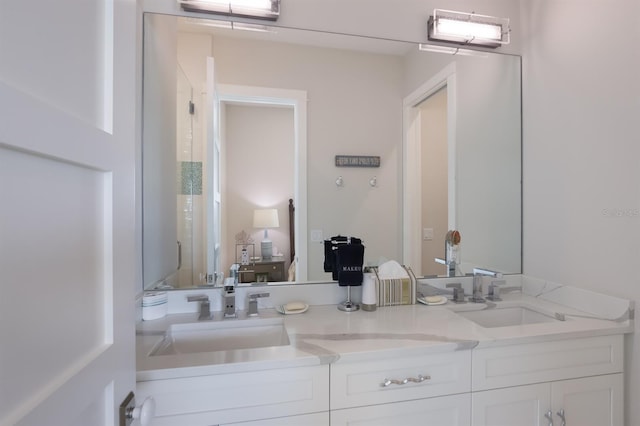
341, 94
357, 161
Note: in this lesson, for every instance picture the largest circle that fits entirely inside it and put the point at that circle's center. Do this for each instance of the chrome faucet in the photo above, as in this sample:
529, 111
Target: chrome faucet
234, 272
253, 303
205, 306
229, 298
478, 273
451, 265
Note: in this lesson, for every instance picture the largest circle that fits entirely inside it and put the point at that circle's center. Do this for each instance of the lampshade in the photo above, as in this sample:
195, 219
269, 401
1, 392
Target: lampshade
261, 9
265, 218
468, 28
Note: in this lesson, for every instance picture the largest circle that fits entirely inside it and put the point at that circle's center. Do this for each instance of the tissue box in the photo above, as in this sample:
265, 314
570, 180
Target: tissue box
396, 291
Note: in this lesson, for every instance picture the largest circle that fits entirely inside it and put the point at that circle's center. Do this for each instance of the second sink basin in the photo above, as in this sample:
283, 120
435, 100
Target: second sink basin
222, 336
506, 317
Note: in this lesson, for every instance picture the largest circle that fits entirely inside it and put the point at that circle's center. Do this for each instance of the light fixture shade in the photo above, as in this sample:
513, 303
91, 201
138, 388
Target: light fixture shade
468, 28
265, 218
260, 9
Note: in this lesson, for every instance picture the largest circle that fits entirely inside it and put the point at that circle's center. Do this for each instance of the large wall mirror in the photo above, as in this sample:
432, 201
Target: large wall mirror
237, 120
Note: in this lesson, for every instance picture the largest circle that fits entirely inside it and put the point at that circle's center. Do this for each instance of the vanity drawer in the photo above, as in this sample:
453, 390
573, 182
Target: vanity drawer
360, 384
237, 397
547, 361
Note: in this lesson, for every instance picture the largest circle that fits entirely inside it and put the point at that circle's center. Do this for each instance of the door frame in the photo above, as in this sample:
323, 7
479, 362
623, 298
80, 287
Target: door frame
411, 170
297, 99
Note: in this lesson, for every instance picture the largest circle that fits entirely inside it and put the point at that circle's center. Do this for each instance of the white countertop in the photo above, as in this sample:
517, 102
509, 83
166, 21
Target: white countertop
325, 335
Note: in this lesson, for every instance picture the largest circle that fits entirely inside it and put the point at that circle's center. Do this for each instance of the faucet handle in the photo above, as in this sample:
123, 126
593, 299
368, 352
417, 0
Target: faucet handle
254, 296
205, 305
253, 303
494, 291
458, 292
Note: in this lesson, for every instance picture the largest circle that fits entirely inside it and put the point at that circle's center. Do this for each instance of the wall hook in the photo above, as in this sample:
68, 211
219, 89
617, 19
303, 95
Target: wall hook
339, 181
373, 182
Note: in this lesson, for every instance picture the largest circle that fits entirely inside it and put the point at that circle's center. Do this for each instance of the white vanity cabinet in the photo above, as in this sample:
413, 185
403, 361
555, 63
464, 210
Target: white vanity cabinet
577, 381
590, 401
218, 399
419, 390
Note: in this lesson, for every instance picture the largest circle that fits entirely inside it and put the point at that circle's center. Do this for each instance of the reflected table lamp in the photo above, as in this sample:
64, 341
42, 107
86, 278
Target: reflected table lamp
266, 218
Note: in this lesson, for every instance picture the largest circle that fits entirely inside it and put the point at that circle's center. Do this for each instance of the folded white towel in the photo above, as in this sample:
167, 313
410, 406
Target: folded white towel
391, 270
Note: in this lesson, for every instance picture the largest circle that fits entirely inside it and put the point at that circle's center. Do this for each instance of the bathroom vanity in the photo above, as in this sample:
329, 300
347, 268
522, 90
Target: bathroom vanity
533, 358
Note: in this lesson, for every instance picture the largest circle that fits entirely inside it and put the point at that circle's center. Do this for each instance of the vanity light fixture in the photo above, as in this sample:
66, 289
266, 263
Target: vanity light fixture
259, 9
468, 28
451, 50
266, 218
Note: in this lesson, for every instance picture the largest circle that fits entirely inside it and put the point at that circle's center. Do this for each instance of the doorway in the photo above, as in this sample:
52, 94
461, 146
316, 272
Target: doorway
434, 187
429, 171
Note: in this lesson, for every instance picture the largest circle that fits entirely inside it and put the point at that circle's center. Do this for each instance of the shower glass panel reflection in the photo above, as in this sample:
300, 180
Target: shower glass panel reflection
190, 191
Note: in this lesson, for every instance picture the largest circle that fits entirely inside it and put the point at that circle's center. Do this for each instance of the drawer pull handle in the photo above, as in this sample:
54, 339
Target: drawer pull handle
548, 415
419, 379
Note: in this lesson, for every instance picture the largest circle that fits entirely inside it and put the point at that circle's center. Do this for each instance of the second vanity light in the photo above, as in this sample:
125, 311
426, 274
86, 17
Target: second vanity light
468, 28
260, 9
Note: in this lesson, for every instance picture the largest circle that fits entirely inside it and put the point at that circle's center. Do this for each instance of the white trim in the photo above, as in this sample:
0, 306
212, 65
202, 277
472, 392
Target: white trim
298, 100
411, 175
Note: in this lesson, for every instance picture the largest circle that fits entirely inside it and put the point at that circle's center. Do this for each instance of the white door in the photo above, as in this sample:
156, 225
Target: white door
67, 210
412, 164
591, 401
516, 406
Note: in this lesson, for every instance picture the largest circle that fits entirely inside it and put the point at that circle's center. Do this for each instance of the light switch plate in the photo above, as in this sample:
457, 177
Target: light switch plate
427, 234
316, 236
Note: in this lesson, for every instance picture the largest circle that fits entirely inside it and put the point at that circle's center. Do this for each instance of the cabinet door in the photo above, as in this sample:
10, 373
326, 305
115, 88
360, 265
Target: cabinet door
515, 406
453, 410
591, 401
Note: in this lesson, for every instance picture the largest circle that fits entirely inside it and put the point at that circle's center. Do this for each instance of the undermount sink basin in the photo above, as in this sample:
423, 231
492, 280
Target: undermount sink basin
506, 317
226, 335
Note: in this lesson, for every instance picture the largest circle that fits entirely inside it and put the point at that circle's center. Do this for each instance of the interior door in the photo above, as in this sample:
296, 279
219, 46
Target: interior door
67, 210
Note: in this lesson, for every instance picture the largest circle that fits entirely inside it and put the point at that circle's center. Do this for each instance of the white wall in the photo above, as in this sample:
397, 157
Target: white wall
581, 151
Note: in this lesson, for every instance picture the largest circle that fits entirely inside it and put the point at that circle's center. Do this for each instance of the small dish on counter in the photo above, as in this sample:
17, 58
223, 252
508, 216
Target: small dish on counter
292, 308
432, 300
